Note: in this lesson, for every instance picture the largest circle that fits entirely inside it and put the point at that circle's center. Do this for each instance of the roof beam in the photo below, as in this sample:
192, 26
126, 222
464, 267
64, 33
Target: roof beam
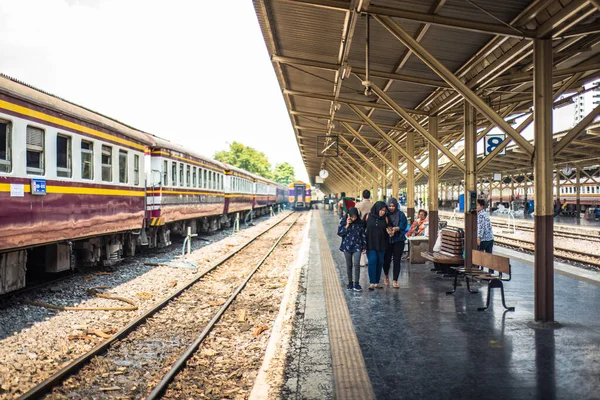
385, 137
453, 81
448, 22
416, 126
378, 74
360, 154
374, 151
346, 100
576, 131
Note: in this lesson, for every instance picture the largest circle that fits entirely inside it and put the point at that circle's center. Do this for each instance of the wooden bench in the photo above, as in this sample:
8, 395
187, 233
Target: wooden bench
451, 252
485, 261
499, 264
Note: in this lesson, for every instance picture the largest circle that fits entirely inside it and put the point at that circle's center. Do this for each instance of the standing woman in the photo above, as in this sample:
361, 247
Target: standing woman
354, 243
377, 242
398, 223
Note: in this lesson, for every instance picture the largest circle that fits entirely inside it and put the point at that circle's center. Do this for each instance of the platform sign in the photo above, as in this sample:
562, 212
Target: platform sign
38, 186
492, 141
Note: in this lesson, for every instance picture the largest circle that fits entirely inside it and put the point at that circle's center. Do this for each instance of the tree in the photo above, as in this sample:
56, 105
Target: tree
247, 158
284, 173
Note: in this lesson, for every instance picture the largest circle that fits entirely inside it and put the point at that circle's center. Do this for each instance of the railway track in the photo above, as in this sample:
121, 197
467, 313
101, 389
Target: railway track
167, 331
528, 227
562, 253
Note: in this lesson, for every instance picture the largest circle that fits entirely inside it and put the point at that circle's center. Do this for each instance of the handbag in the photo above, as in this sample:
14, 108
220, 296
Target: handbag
363, 260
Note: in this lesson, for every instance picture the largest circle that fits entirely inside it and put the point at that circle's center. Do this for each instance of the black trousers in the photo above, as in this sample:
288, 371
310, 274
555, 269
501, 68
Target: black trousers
394, 251
486, 246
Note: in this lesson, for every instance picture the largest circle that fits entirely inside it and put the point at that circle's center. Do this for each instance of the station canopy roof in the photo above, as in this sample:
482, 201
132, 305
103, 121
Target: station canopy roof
323, 52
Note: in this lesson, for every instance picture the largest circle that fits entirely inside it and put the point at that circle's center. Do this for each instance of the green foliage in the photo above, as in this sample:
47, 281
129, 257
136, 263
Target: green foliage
284, 173
247, 158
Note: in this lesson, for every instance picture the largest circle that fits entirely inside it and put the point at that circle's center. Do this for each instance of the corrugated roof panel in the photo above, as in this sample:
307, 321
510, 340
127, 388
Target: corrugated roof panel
308, 32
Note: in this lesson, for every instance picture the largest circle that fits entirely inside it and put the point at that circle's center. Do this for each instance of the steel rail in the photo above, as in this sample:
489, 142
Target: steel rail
59, 376
161, 387
557, 230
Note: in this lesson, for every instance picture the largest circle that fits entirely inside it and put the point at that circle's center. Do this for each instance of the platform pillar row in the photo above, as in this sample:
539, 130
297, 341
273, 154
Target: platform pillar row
543, 167
395, 180
578, 195
433, 183
410, 178
470, 180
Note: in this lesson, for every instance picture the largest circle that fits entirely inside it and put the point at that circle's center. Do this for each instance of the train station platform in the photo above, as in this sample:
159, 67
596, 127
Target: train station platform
416, 342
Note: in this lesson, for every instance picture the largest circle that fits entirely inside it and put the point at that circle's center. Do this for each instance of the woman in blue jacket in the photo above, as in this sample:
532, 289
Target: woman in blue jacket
354, 242
398, 223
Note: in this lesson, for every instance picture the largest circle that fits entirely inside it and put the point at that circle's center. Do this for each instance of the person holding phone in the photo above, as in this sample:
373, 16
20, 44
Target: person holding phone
377, 241
398, 223
354, 243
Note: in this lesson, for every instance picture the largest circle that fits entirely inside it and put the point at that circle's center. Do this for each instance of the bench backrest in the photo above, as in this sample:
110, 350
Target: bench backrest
491, 261
452, 241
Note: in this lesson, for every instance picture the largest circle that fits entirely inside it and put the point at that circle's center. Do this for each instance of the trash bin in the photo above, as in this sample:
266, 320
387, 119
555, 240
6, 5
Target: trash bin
418, 244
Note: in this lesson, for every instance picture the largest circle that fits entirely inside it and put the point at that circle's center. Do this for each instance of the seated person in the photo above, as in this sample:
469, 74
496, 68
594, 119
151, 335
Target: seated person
420, 227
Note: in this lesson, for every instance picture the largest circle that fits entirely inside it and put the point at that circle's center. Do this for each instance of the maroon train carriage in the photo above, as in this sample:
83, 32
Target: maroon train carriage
70, 179
184, 190
239, 190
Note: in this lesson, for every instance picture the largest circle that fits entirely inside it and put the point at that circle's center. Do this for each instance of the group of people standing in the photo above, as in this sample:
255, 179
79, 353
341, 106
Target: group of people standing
378, 231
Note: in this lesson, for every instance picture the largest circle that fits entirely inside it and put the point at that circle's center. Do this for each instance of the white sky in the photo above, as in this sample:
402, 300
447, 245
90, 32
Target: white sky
194, 72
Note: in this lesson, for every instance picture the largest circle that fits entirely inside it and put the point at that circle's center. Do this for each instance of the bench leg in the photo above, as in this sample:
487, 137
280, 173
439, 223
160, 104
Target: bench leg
495, 283
503, 302
455, 282
469, 287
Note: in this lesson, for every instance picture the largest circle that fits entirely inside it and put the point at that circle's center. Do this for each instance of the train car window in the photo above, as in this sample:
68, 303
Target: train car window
588, 189
63, 156
222, 182
87, 160
106, 163
5, 147
35, 151
123, 173
204, 184
174, 173
214, 176
187, 175
194, 177
136, 169
165, 173
181, 183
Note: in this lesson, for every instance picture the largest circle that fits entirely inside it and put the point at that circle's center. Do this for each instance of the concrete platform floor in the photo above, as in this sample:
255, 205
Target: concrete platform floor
419, 343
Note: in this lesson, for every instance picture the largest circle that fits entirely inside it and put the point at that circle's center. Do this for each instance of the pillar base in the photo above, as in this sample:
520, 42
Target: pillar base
433, 228
544, 268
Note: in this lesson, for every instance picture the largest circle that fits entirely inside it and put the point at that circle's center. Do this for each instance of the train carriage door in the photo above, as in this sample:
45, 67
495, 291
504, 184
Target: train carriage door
299, 195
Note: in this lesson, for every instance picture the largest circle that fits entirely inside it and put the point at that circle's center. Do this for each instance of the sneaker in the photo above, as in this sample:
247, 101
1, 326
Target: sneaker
349, 286
357, 288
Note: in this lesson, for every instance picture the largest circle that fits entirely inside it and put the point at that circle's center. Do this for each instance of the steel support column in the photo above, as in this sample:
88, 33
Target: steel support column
470, 181
433, 182
543, 165
578, 196
410, 178
395, 178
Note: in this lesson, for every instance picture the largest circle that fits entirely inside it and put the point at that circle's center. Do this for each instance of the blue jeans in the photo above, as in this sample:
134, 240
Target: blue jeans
375, 265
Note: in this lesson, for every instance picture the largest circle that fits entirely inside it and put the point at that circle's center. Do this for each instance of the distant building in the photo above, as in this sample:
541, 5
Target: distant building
586, 102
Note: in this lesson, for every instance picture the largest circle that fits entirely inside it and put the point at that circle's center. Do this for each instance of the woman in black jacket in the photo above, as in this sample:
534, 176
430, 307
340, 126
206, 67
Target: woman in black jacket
377, 241
395, 249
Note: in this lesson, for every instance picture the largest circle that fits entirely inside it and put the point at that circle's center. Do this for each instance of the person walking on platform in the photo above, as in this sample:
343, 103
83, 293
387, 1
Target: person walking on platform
377, 241
340, 204
365, 205
354, 243
485, 235
398, 223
